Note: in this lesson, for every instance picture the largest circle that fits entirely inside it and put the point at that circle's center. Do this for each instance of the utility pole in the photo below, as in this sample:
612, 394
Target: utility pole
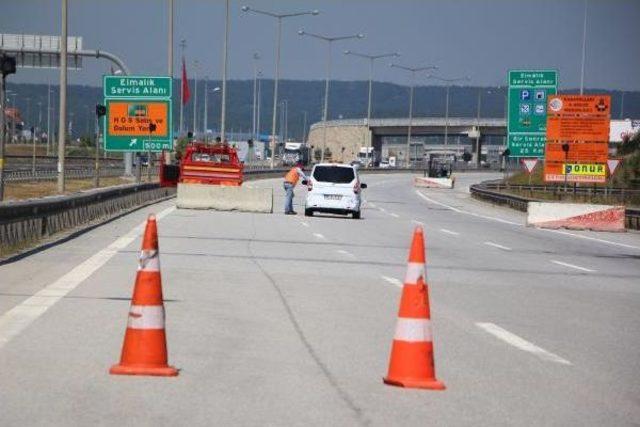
62, 110
584, 47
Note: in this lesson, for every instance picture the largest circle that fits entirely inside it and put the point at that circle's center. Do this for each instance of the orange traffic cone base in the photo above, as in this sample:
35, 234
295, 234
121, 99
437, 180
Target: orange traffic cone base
410, 383
159, 371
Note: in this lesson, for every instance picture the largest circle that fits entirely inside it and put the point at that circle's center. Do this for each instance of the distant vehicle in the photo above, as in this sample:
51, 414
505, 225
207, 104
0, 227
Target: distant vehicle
384, 164
334, 188
295, 152
392, 162
366, 156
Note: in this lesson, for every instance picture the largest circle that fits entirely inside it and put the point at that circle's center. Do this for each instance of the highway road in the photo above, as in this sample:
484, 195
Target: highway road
288, 320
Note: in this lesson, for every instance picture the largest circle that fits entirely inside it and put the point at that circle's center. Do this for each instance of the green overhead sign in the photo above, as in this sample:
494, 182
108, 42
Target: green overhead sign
527, 110
139, 113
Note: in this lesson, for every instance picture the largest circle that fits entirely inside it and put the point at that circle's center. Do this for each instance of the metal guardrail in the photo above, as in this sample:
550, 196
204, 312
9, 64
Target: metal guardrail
23, 223
490, 191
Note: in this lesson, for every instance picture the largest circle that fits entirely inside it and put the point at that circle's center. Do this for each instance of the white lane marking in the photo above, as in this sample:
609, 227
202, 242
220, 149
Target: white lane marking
347, 253
453, 233
319, 236
16, 320
577, 267
373, 205
383, 210
496, 245
395, 215
504, 221
521, 343
393, 281
305, 224
415, 221
595, 239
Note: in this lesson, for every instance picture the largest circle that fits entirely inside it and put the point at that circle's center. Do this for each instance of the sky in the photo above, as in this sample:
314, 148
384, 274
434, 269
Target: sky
481, 39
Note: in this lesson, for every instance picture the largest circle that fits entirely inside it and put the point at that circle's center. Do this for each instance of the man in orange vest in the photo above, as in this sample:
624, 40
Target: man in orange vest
290, 180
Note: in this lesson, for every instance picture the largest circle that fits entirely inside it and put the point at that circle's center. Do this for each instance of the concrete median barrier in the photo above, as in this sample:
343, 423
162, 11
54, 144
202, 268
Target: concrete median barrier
243, 199
576, 216
433, 182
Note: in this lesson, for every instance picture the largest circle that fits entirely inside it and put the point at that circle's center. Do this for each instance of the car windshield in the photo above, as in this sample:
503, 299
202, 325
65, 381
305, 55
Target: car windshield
335, 174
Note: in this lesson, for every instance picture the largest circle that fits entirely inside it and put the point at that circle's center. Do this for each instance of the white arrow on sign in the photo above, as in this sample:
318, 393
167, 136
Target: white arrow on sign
530, 164
613, 164
133, 142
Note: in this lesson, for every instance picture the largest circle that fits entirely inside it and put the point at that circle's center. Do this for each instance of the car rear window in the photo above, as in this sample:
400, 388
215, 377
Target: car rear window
335, 174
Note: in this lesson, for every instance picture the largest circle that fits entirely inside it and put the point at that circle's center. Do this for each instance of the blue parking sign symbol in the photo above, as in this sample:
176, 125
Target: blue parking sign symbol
525, 95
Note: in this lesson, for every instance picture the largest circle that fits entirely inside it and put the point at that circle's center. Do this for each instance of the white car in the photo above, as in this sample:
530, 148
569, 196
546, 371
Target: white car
334, 188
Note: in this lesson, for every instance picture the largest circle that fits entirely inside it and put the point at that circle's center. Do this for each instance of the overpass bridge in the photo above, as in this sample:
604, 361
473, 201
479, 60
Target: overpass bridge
388, 136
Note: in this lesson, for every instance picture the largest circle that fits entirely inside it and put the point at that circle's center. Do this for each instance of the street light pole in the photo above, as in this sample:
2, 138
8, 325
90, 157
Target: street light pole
225, 58
48, 118
170, 43
413, 71
584, 47
325, 111
62, 110
256, 57
183, 44
371, 59
279, 17
446, 120
195, 96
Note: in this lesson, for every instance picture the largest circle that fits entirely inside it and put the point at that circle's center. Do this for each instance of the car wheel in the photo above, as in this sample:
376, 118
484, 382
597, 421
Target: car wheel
308, 212
356, 215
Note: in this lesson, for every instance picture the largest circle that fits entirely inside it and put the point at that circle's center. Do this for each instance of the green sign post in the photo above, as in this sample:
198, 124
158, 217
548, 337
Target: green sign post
527, 110
133, 104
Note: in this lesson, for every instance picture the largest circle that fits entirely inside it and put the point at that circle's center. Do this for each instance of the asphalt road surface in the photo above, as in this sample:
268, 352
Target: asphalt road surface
288, 320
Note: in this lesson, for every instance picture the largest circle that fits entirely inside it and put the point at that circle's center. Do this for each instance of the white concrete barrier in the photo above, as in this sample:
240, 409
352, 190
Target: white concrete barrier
433, 182
221, 198
575, 216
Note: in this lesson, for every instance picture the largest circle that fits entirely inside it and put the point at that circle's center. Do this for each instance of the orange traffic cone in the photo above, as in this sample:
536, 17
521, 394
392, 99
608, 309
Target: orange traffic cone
411, 364
144, 351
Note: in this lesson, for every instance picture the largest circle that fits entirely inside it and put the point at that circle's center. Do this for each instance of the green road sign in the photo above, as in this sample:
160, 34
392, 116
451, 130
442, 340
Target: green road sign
137, 87
527, 108
133, 104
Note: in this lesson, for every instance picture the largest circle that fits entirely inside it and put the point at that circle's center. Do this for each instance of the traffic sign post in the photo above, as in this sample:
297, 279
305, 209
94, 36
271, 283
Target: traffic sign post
529, 164
134, 105
527, 110
578, 138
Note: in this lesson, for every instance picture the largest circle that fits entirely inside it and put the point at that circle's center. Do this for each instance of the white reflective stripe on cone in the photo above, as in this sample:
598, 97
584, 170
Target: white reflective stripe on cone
149, 261
413, 330
415, 270
146, 317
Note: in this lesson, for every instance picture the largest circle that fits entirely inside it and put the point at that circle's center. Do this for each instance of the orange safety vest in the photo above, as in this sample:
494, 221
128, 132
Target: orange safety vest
292, 176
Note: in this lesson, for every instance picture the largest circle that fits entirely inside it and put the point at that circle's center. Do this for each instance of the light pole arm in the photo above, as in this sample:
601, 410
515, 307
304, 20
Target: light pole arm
86, 53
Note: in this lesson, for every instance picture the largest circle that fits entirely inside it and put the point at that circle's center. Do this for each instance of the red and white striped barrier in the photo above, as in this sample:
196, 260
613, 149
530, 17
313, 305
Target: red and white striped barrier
433, 182
575, 216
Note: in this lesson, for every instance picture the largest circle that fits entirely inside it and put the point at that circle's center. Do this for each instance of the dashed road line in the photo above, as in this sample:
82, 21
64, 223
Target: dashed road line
416, 222
393, 281
304, 224
496, 245
395, 215
16, 320
521, 343
319, 236
577, 267
453, 233
347, 253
